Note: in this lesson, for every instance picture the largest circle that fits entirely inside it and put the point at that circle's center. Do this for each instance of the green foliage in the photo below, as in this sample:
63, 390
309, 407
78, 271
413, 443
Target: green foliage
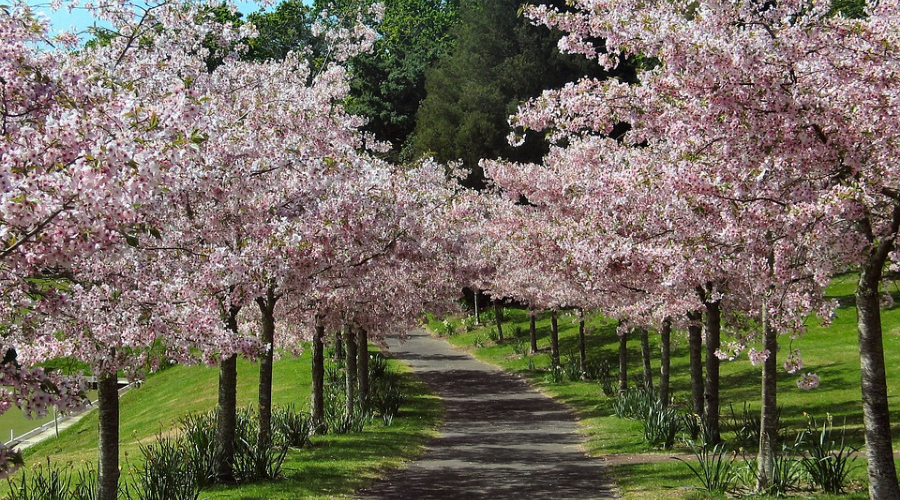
855, 9
388, 83
635, 403
199, 433
449, 328
827, 460
787, 473
44, 483
167, 474
293, 427
285, 29
498, 61
714, 467
661, 425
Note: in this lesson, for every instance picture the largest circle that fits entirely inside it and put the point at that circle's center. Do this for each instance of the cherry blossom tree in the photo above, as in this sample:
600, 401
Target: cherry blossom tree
758, 121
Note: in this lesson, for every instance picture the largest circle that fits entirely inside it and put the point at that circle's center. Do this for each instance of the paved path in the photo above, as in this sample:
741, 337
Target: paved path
500, 439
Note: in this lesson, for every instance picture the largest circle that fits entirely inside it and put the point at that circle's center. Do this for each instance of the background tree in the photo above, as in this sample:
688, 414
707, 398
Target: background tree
499, 60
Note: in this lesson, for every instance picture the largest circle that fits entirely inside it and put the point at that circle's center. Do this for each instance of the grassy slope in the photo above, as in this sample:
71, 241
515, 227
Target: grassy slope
831, 352
334, 467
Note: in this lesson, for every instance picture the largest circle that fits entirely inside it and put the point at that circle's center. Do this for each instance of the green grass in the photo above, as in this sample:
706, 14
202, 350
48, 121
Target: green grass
831, 352
335, 466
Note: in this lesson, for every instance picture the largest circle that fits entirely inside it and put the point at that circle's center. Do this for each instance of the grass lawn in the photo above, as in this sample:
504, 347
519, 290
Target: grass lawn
831, 352
335, 466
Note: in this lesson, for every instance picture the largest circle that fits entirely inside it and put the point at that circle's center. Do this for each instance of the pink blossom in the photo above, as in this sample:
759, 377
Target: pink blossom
808, 381
757, 357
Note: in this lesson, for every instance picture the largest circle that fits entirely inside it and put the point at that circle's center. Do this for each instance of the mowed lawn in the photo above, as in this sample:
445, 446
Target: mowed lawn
335, 466
830, 351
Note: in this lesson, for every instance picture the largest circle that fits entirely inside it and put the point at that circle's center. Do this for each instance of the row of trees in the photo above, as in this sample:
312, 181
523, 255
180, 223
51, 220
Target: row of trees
171, 195
759, 159
183, 188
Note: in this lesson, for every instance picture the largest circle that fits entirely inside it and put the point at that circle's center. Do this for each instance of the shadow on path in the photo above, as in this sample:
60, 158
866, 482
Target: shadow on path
500, 439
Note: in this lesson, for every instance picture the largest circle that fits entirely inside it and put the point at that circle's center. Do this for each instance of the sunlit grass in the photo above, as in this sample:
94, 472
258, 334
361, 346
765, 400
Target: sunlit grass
830, 351
335, 466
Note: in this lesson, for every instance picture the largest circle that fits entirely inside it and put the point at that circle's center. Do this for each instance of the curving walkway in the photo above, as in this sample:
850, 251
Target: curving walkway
501, 439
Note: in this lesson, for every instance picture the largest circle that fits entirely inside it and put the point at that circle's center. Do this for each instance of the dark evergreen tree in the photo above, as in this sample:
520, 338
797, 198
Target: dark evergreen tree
498, 61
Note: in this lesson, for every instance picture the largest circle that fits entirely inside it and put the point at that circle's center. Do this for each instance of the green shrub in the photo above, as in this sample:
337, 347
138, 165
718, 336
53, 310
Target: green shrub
714, 467
166, 473
661, 425
827, 461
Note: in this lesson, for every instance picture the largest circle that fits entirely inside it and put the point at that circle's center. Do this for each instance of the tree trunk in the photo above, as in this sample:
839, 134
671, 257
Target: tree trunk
267, 338
582, 350
695, 346
498, 317
713, 340
363, 366
623, 362
665, 334
532, 325
108, 467
477, 309
645, 357
554, 338
876, 416
226, 410
768, 429
318, 377
350, 341
338, 346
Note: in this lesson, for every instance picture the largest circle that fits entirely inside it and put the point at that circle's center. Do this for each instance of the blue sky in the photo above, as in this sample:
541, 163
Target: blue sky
81, 19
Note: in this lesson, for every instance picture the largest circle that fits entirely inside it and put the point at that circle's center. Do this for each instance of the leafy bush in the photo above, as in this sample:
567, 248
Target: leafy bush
293, 427
469, 324
199, 432
378, 366
386, 398
447, 328
52, 483
661, 425
520, 347
826, 460
556, 374
746, 425
254, 460
45, 483
609, 382
714, 467
786, 475
635, 403
166, 474
573, 368
493, 334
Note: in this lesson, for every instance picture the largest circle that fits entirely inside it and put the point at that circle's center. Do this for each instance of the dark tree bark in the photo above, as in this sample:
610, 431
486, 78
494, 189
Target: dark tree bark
477, 308
226, 409
498, 317
267, 338
338, 345
695, 347
645, 357
363, 366
713, 341
876, 416
108, 468
582, 349
350, 341
318, 376
623, 362
554, 338
532, 326
665, 334
768, 429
